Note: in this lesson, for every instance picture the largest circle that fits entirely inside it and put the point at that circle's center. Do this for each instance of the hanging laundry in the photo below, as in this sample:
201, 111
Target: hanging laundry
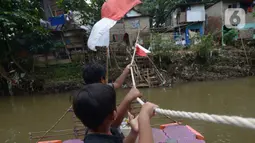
45, 24
59, 20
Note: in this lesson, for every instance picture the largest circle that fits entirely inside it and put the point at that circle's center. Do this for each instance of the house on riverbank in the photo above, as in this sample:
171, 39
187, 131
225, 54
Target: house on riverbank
187, 20
127, 28
67, 35
216, 13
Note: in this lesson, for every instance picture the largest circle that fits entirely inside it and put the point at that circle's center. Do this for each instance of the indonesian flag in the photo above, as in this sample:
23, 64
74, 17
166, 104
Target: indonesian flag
141, 51
116, 9
111, 12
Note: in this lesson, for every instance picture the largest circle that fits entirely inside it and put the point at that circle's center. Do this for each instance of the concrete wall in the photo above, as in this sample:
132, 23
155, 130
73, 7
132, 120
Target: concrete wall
195, 13
132, 30
215, 10
130, 26
214, 15
117, 29
243, 33
173, 19
249, 18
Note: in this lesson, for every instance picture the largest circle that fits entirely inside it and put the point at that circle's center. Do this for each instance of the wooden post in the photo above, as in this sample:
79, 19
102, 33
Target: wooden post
148, 77
67, 52
133, 59
107, 70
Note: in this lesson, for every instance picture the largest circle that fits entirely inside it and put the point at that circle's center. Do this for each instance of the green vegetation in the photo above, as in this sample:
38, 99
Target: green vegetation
204, 47
229, 36
161, 43
90, 11
166, 47
61, 72
20, 37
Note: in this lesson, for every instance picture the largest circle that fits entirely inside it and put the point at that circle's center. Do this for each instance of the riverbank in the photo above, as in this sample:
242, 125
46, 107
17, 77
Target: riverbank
186, 66
176, 66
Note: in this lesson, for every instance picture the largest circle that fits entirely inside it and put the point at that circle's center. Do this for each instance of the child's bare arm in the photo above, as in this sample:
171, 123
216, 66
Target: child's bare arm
124, 106
145, 131
120, 80
131, 138
133, 122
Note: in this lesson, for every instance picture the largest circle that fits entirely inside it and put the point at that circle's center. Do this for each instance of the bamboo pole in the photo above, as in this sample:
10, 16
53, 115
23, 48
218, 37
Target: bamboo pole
132, 72
55, 124
133, 59
107, 67
63, 40
245, 51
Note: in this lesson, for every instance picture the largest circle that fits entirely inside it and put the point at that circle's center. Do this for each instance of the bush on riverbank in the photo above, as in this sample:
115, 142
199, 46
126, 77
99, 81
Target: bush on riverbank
204, 61
188, 65
61, 72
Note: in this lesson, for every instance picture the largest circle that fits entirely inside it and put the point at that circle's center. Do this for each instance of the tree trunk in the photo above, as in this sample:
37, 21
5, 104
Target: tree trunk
4, 80
13, 59
18, 65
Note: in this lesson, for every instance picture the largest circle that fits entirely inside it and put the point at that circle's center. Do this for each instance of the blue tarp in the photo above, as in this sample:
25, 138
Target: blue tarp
59, 20
198, 26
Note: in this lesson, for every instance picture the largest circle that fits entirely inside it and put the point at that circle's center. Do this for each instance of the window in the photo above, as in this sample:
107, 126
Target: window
195, 30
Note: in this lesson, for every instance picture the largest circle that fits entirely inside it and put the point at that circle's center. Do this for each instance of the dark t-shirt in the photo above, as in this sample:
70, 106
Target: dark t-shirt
116, 137
111, 84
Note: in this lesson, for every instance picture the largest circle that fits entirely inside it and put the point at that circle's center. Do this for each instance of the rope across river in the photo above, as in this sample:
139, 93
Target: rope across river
220, 119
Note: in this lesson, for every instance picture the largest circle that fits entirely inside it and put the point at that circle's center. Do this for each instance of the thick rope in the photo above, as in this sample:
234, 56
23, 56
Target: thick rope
221, 119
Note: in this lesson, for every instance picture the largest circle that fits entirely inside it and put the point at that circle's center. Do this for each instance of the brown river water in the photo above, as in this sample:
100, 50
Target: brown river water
22, 114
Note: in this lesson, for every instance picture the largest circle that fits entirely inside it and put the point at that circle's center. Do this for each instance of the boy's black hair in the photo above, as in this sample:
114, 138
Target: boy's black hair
94, 103
93, 72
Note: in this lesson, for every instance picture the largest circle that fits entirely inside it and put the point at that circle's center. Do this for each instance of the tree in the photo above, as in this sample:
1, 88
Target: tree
20, 30
90, 10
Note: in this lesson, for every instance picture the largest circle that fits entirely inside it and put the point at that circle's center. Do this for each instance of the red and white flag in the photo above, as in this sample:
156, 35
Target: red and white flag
141, 51
116, 9
112, 11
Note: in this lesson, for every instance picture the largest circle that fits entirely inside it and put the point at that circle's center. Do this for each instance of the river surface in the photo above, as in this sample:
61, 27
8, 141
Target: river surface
23, 114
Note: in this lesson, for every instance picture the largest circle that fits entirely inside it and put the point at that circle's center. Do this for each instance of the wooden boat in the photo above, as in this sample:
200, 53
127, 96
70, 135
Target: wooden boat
167, 133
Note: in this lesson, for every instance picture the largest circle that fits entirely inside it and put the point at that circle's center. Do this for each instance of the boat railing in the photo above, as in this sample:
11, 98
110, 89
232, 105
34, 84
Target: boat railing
77, 132
34, 136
